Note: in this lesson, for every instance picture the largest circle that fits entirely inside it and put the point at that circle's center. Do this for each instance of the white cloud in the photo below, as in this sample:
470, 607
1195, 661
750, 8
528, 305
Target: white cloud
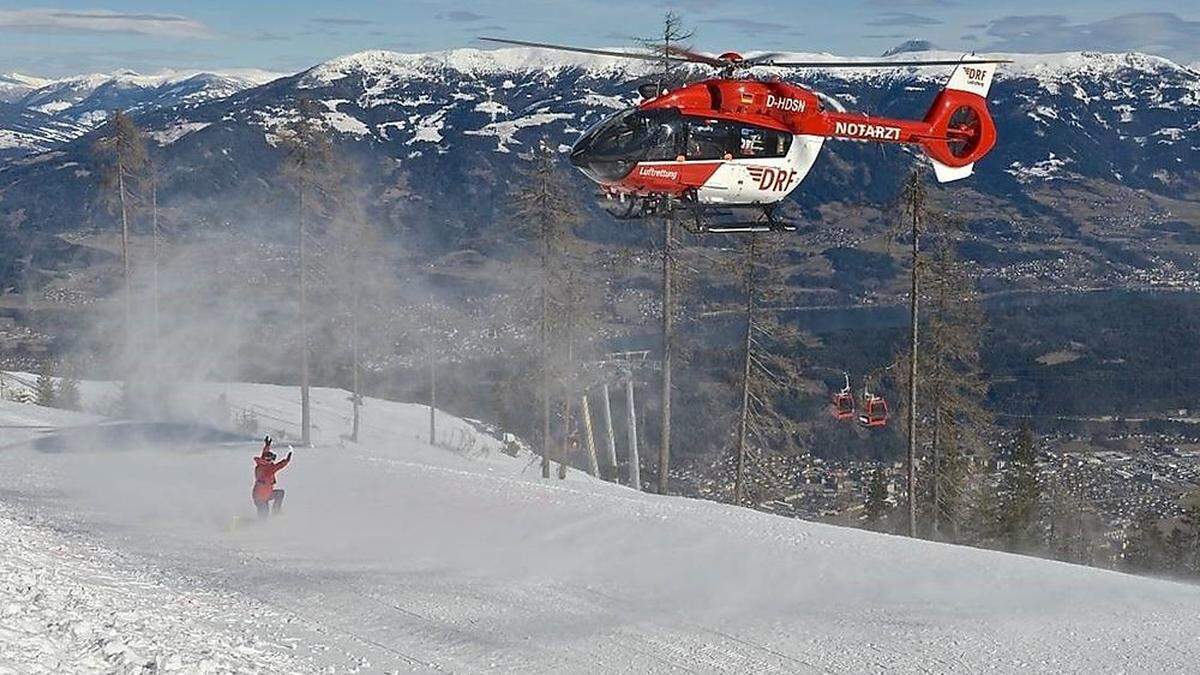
1156, 32
103, 21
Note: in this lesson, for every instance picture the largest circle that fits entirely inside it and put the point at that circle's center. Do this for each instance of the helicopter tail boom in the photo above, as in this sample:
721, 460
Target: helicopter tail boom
956, 132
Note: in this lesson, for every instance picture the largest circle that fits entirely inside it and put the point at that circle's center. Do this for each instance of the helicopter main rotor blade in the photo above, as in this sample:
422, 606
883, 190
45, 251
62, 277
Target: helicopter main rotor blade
879, 64
694, 57
584, 50
761, 59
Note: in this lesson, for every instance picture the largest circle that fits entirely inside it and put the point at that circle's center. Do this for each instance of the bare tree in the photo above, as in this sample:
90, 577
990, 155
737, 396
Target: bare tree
914, 211
546, 211
951, 387
122, 150
150, 181
954, 384
768, 365
309, 165
671, 38
354, 250
948, 383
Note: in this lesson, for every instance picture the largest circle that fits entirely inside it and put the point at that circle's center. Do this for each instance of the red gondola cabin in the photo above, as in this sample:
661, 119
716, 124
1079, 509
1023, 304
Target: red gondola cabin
875, 412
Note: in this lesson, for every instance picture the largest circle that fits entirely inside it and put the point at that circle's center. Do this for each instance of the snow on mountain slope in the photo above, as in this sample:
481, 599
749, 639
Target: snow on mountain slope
38, 115
24, 423
15, 85
274, 410
482, 62
474, 62
87, 99
67, 606
24, 131
1124, 118
1111, 109
412, 558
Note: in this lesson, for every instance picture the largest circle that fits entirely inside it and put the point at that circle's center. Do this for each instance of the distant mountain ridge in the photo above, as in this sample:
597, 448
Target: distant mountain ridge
82, 101
449, 126
23, 131
910, 46
15, 85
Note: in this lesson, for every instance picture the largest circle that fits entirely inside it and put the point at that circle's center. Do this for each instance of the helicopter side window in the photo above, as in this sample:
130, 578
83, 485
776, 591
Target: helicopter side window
759, 142
709, 139
666, 144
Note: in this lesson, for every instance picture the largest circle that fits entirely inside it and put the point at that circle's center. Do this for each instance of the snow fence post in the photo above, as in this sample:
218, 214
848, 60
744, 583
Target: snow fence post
585, 409
635, 468
612, 439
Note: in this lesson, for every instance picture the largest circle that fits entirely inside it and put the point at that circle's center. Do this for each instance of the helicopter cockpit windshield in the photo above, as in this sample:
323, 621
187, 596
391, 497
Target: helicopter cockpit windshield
609, 150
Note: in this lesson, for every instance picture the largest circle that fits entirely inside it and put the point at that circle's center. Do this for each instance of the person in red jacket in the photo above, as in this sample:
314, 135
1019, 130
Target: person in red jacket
267, 499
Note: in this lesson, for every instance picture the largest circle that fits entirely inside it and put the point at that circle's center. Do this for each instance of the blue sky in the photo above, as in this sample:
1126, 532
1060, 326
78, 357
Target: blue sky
63, 37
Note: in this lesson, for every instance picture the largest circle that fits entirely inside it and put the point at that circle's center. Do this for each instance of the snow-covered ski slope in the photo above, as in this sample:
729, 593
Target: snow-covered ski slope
397, 555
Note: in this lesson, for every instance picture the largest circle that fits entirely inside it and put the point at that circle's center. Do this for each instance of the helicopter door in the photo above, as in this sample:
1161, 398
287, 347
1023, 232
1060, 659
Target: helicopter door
716, 140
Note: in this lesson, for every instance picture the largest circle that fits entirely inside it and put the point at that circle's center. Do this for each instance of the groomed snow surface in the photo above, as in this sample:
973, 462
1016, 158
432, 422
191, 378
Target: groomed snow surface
118, 554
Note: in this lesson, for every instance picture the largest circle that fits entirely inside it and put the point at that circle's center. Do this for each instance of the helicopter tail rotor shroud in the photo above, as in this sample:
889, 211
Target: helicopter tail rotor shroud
963, 131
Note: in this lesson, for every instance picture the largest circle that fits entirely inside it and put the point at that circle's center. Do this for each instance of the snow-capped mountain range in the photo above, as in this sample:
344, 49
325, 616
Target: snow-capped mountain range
15, 85
452, 123
85, 100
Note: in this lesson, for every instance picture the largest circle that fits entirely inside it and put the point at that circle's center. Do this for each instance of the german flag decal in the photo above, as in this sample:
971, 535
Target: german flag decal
747, 98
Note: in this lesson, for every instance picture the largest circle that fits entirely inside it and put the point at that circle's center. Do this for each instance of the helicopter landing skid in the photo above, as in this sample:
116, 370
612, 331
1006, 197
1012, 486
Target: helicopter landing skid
704, 219
725, 220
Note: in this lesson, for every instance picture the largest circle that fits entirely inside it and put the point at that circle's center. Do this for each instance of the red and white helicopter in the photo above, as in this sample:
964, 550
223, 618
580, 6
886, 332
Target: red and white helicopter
733, 142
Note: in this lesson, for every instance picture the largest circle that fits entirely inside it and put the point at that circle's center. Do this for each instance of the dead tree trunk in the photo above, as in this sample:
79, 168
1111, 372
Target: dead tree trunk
917, 203
739, 482
125, 264
589, 436
609, 436
356, 374
668, 337
305, 410
635, 462
545, 348
157, 335
432, 400
937, 468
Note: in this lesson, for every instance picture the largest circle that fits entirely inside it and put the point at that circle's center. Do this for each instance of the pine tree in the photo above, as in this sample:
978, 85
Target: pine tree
44, 390
545, 210
150, 186
1190, 524
951, 390
353, 260
1145, 550
1074, 526
877, 506
915, 212
981, 519
1020, 495
1177, 549
310, 167
664, 46
68, 393
121, 151
768, 369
